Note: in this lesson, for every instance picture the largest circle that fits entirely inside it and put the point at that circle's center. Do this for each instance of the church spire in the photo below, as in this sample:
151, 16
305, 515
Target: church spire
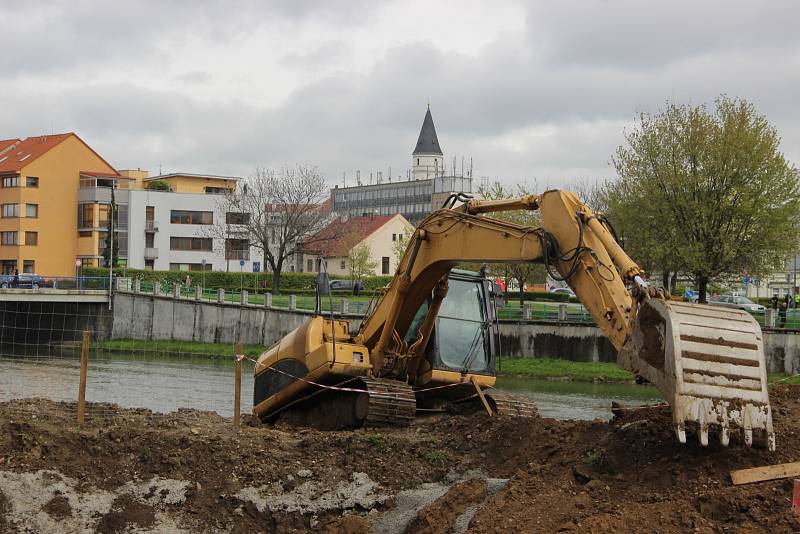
428, 143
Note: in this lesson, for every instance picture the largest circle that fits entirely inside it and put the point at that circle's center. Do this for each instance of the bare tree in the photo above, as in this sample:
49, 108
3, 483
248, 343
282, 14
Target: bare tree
278, 212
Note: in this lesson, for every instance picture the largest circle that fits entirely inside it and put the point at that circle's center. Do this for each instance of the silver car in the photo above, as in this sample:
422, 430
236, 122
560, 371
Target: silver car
733, 301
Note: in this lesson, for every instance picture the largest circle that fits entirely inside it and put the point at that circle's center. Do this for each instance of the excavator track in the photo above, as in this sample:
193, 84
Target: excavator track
513, 405
391, 403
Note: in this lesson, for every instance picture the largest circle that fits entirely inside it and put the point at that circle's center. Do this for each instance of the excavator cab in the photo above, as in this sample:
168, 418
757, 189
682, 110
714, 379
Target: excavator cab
464, 339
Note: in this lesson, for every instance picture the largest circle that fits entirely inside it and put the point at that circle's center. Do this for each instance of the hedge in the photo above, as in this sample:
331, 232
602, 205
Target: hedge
291, 282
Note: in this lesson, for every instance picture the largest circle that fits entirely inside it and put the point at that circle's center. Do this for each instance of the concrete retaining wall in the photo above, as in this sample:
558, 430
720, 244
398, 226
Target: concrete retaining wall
148, 317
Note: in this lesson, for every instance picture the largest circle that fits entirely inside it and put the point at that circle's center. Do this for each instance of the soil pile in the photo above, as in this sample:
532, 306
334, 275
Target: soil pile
191, 471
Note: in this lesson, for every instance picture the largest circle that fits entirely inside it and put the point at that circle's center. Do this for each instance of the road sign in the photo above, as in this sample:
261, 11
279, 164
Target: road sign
256, 266
746, 280
757, 282
241, 263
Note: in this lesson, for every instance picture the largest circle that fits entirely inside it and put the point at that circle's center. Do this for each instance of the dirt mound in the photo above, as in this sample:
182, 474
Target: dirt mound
440, 516
192, 471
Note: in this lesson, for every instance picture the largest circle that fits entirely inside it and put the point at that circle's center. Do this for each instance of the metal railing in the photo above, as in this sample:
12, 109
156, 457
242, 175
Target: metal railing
150, 253
151, 226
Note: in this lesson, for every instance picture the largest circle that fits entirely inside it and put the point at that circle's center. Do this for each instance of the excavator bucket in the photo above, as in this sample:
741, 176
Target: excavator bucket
708, 362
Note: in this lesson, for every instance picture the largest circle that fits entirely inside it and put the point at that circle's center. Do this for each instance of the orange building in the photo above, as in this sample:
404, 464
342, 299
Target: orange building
40, 181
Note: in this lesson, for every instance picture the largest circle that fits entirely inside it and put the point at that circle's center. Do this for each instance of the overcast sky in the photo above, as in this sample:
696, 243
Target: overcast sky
536, 92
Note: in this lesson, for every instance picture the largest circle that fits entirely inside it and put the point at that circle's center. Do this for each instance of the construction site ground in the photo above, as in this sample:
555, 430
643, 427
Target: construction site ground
189, 471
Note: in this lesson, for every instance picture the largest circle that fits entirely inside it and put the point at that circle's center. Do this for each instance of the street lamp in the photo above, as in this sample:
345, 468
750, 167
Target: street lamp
77, 273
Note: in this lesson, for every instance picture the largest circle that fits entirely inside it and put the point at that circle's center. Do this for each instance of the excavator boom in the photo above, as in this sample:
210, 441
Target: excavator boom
708, 364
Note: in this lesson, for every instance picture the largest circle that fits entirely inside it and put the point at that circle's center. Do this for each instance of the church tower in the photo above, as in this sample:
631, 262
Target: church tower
427, 160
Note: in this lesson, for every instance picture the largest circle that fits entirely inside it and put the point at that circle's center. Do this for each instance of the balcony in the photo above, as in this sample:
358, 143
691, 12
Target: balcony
151, 226
150, 253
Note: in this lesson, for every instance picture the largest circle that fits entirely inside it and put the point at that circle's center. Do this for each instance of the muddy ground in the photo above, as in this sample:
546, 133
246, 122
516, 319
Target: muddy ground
189, 471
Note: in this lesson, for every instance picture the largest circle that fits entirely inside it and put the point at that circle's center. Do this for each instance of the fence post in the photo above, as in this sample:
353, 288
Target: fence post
137, 286
527, 311
237, 395
769, 318
198, 293
292, 302
562, 312
156, 288
176, 291
243, 297
345, 306
267, 300
82, 386
220, 295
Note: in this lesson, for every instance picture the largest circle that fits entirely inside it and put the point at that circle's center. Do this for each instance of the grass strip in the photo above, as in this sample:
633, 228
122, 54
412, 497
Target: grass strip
172, 347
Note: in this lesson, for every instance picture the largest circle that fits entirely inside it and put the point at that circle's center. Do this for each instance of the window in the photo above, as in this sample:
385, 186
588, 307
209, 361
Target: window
191, 217
8, 266
149, 213
85, 215
394, 237
310, 266
85, 233
10, 210
11, 181
148, 265
233, 217
28, 266
385, 265
103, 219
8, 238
237, 249
31, 211
343, 265
149, 240
31, 181
190, 243
32, 238
216, 190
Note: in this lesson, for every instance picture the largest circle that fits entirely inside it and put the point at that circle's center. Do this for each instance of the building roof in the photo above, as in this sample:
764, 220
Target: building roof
5, 144
189, 175
343, 233
27, 151
428, 143
114, 175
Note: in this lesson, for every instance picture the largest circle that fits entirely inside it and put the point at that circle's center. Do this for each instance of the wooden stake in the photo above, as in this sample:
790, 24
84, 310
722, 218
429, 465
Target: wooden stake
769, 472
480, 395
82, 387
237, 395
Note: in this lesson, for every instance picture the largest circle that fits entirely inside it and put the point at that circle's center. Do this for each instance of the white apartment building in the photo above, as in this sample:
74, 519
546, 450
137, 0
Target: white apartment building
189, 230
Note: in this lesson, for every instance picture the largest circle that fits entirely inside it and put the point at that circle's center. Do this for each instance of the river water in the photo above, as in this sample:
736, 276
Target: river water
163, 384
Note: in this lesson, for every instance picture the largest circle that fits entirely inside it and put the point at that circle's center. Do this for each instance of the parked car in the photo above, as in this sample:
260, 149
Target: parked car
564, 290
25, 281
734, 301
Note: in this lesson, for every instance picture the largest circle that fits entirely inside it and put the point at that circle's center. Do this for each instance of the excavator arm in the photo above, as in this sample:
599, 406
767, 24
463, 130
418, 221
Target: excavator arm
707, 362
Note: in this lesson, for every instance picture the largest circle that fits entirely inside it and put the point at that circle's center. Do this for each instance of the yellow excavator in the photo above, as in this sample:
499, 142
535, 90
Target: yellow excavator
430, 342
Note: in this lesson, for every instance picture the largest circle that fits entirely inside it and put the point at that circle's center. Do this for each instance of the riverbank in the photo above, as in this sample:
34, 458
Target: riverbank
177, 348
191, 471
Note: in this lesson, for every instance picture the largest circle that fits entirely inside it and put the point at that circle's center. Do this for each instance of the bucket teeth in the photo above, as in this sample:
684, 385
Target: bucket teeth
724, 436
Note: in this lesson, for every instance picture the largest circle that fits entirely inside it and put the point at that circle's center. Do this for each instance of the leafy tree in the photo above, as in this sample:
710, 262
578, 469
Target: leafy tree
522, 273
399, 248
706, 192
111, 249
359, 262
